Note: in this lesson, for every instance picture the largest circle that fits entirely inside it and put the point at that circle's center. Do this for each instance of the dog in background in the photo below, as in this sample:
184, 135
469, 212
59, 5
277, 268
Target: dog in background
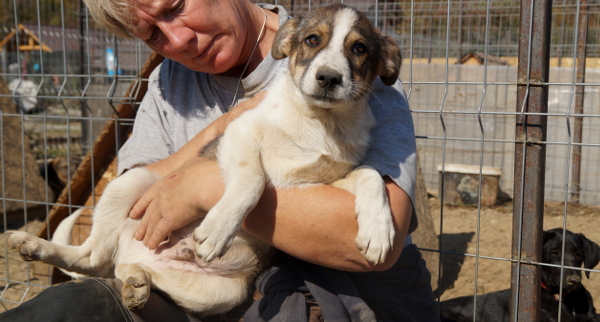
57, 172
312, 128
576, 303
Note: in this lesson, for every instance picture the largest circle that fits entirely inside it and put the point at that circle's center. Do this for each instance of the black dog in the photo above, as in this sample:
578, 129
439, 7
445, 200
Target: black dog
577, 304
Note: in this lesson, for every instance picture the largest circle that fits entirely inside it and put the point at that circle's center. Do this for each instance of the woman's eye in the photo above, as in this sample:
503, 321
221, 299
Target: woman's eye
178, 6
359, 48
312, 40
154, 36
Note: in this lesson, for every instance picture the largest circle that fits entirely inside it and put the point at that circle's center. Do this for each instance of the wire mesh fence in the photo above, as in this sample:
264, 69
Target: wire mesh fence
64, 77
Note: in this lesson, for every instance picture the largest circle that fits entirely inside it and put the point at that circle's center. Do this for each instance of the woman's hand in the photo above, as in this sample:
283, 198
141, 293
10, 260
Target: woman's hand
179, 198
188, 187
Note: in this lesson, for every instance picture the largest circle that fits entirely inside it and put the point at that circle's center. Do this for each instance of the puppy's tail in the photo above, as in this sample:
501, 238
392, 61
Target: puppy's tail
62, 234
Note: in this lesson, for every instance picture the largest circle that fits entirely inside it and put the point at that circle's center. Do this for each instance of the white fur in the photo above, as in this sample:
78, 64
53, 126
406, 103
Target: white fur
112, 251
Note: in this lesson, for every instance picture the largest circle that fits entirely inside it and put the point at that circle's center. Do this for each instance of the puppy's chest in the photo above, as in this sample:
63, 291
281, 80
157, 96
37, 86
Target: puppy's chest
289, 163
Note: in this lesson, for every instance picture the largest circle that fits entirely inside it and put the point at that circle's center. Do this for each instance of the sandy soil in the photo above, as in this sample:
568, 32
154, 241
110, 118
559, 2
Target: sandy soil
458, 235
21, 285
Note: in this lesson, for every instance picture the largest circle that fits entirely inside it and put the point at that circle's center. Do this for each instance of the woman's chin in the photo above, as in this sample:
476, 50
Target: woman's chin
215, 65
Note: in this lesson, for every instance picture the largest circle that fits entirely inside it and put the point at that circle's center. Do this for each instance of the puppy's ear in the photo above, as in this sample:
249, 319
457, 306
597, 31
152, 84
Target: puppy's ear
390, 62
283, 39
591, 253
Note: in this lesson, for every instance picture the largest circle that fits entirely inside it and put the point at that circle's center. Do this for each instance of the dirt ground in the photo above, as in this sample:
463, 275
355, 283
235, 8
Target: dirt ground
22, 284
458, 235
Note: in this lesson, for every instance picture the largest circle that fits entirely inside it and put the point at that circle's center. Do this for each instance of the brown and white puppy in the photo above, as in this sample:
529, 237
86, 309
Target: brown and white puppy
312, 128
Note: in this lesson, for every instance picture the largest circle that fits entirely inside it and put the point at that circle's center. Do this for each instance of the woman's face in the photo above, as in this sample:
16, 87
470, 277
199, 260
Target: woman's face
204, 35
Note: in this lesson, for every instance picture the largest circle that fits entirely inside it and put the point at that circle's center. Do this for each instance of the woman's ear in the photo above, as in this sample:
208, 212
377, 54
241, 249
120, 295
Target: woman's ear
283, 39
390, 62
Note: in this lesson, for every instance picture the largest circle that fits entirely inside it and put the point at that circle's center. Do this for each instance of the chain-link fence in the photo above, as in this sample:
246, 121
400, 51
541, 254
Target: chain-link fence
64, 78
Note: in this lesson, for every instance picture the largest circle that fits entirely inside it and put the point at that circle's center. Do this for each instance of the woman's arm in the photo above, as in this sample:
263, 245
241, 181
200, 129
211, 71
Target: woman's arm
315, 223
318, 224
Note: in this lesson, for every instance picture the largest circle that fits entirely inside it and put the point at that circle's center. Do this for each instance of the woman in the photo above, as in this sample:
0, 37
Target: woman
218, 55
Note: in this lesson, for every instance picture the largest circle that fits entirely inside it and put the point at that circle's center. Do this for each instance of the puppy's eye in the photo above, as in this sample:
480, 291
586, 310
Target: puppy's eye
312, 40
578, 256
359, 48
555, 254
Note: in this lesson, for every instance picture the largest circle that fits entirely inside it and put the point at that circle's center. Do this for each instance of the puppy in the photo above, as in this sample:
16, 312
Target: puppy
576, 303
312, 128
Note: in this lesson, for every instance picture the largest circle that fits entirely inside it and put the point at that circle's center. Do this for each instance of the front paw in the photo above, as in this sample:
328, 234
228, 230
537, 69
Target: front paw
376, 234
213, 238
23, 244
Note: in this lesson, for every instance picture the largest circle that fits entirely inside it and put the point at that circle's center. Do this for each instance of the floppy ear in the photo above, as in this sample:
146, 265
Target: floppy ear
591, 253
283, 39
390, 62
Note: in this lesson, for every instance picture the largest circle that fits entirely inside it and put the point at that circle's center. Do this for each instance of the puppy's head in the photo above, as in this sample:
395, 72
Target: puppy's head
578, 251
336, 54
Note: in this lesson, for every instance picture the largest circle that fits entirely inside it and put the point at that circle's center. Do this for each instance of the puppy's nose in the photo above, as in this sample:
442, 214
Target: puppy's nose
573, 280
328, 79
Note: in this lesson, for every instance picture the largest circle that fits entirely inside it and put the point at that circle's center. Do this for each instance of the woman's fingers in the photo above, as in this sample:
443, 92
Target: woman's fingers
142, 204
156, 234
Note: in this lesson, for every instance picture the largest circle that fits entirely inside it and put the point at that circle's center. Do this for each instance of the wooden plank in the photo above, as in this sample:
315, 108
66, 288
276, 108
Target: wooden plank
425, 236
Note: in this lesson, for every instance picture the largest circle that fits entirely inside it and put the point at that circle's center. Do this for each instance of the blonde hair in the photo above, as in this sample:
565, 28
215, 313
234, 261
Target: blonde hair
114, 15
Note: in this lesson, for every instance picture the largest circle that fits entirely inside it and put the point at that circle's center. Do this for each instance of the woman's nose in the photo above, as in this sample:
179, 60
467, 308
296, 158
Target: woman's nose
178, 35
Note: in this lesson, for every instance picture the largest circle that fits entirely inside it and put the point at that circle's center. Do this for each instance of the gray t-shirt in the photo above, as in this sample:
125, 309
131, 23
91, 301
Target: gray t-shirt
181, 102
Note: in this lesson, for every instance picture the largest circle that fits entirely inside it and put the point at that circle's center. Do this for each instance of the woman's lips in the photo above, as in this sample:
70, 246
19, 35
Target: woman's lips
204, 52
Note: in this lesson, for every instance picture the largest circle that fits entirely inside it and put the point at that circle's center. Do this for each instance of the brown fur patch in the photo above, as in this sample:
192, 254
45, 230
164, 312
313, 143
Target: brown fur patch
324, 170
210, 150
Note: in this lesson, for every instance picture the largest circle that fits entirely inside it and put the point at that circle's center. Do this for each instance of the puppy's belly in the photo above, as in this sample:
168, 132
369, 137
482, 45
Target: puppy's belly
178, 253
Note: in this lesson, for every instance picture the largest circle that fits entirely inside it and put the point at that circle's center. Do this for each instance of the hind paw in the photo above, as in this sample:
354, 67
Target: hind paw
23, 244
136, 291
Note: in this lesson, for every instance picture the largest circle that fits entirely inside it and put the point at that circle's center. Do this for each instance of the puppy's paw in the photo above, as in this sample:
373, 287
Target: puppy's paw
213, 238
375, 235
23, 244
136, 291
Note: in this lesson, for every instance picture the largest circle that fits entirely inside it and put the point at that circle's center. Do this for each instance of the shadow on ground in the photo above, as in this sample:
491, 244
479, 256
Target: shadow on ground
452, 263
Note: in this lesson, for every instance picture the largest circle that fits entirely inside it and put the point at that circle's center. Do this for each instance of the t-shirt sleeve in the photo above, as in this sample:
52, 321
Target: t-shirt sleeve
149, 141
393, 149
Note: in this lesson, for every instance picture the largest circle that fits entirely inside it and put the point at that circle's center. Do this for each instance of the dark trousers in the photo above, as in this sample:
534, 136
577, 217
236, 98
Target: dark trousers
93, 299
98, 299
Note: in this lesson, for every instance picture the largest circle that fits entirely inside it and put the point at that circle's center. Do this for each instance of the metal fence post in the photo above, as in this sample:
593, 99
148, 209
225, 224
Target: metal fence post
579, 98
530, 158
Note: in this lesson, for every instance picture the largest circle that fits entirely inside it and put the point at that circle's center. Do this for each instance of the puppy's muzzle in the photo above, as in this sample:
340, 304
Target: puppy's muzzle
574, 281
328, 79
